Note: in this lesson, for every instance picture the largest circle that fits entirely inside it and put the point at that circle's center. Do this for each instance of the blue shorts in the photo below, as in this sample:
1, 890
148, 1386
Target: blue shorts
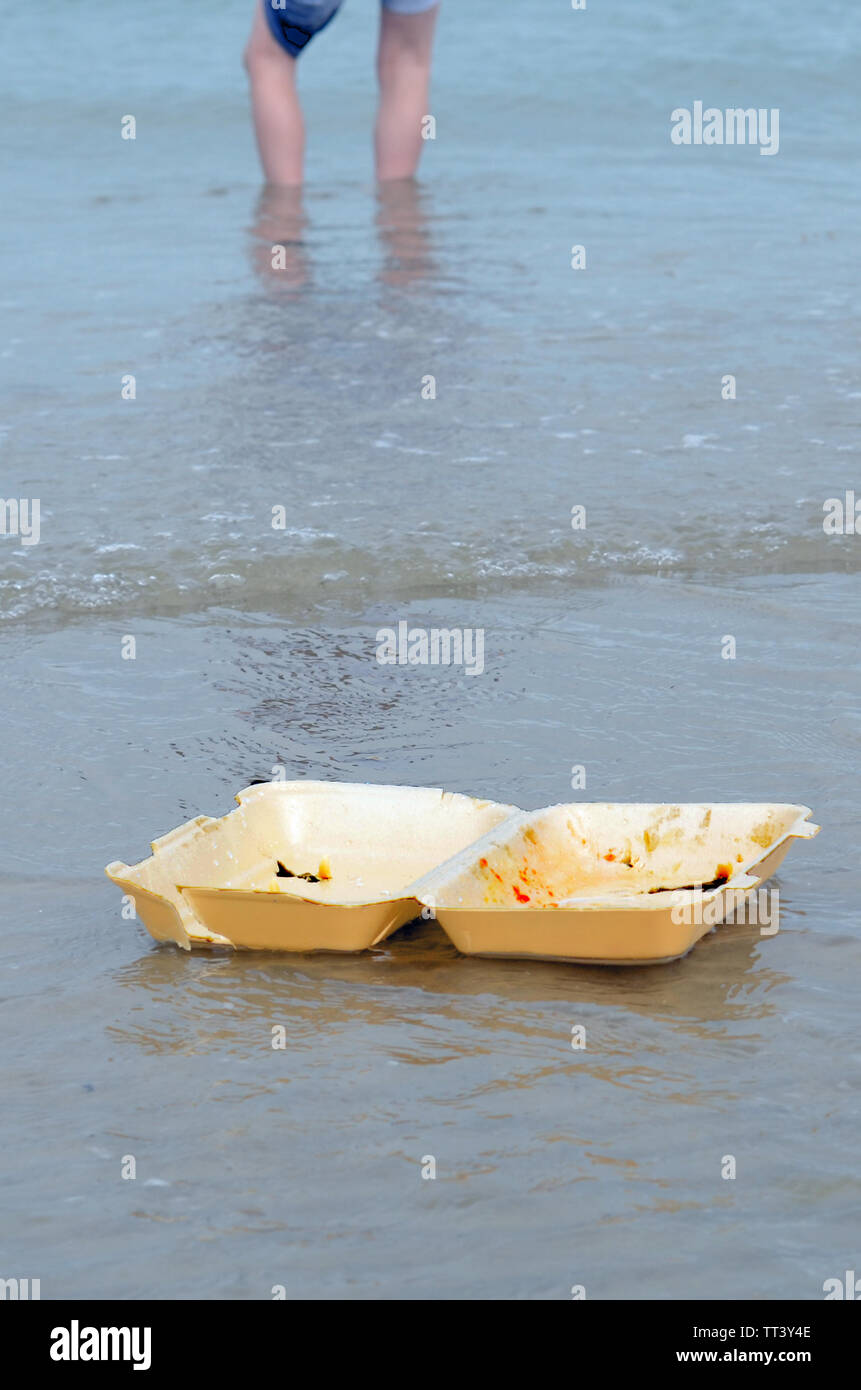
295, 22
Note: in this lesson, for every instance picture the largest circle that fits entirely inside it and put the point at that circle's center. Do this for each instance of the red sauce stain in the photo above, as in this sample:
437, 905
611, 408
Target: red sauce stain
611, 857
483, 864
521, 897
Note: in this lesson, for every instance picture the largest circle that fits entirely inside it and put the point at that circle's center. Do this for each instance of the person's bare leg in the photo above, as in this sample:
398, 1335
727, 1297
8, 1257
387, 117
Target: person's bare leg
275, 105
403, 68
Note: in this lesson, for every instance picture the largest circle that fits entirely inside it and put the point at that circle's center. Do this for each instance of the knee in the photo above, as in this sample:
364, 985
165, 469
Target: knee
404, 52
402, 68
263, 53
255, 56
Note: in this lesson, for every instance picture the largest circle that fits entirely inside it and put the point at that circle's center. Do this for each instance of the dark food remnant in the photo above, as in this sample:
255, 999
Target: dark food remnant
723, 873
283, 872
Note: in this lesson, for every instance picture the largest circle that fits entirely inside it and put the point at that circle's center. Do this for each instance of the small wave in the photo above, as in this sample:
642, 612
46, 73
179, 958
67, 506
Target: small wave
422, 564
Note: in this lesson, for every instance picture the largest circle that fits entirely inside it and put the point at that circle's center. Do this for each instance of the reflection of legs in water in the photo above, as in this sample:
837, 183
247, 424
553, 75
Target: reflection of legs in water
275, 105
278, 252
403, 229
403, 68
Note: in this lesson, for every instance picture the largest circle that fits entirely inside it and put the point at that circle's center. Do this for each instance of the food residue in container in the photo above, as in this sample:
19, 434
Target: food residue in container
722, 874
322, 875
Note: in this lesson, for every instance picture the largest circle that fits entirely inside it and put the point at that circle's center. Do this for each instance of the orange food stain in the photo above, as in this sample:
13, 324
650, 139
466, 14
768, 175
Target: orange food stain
611, 857
483, 864
521, 897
